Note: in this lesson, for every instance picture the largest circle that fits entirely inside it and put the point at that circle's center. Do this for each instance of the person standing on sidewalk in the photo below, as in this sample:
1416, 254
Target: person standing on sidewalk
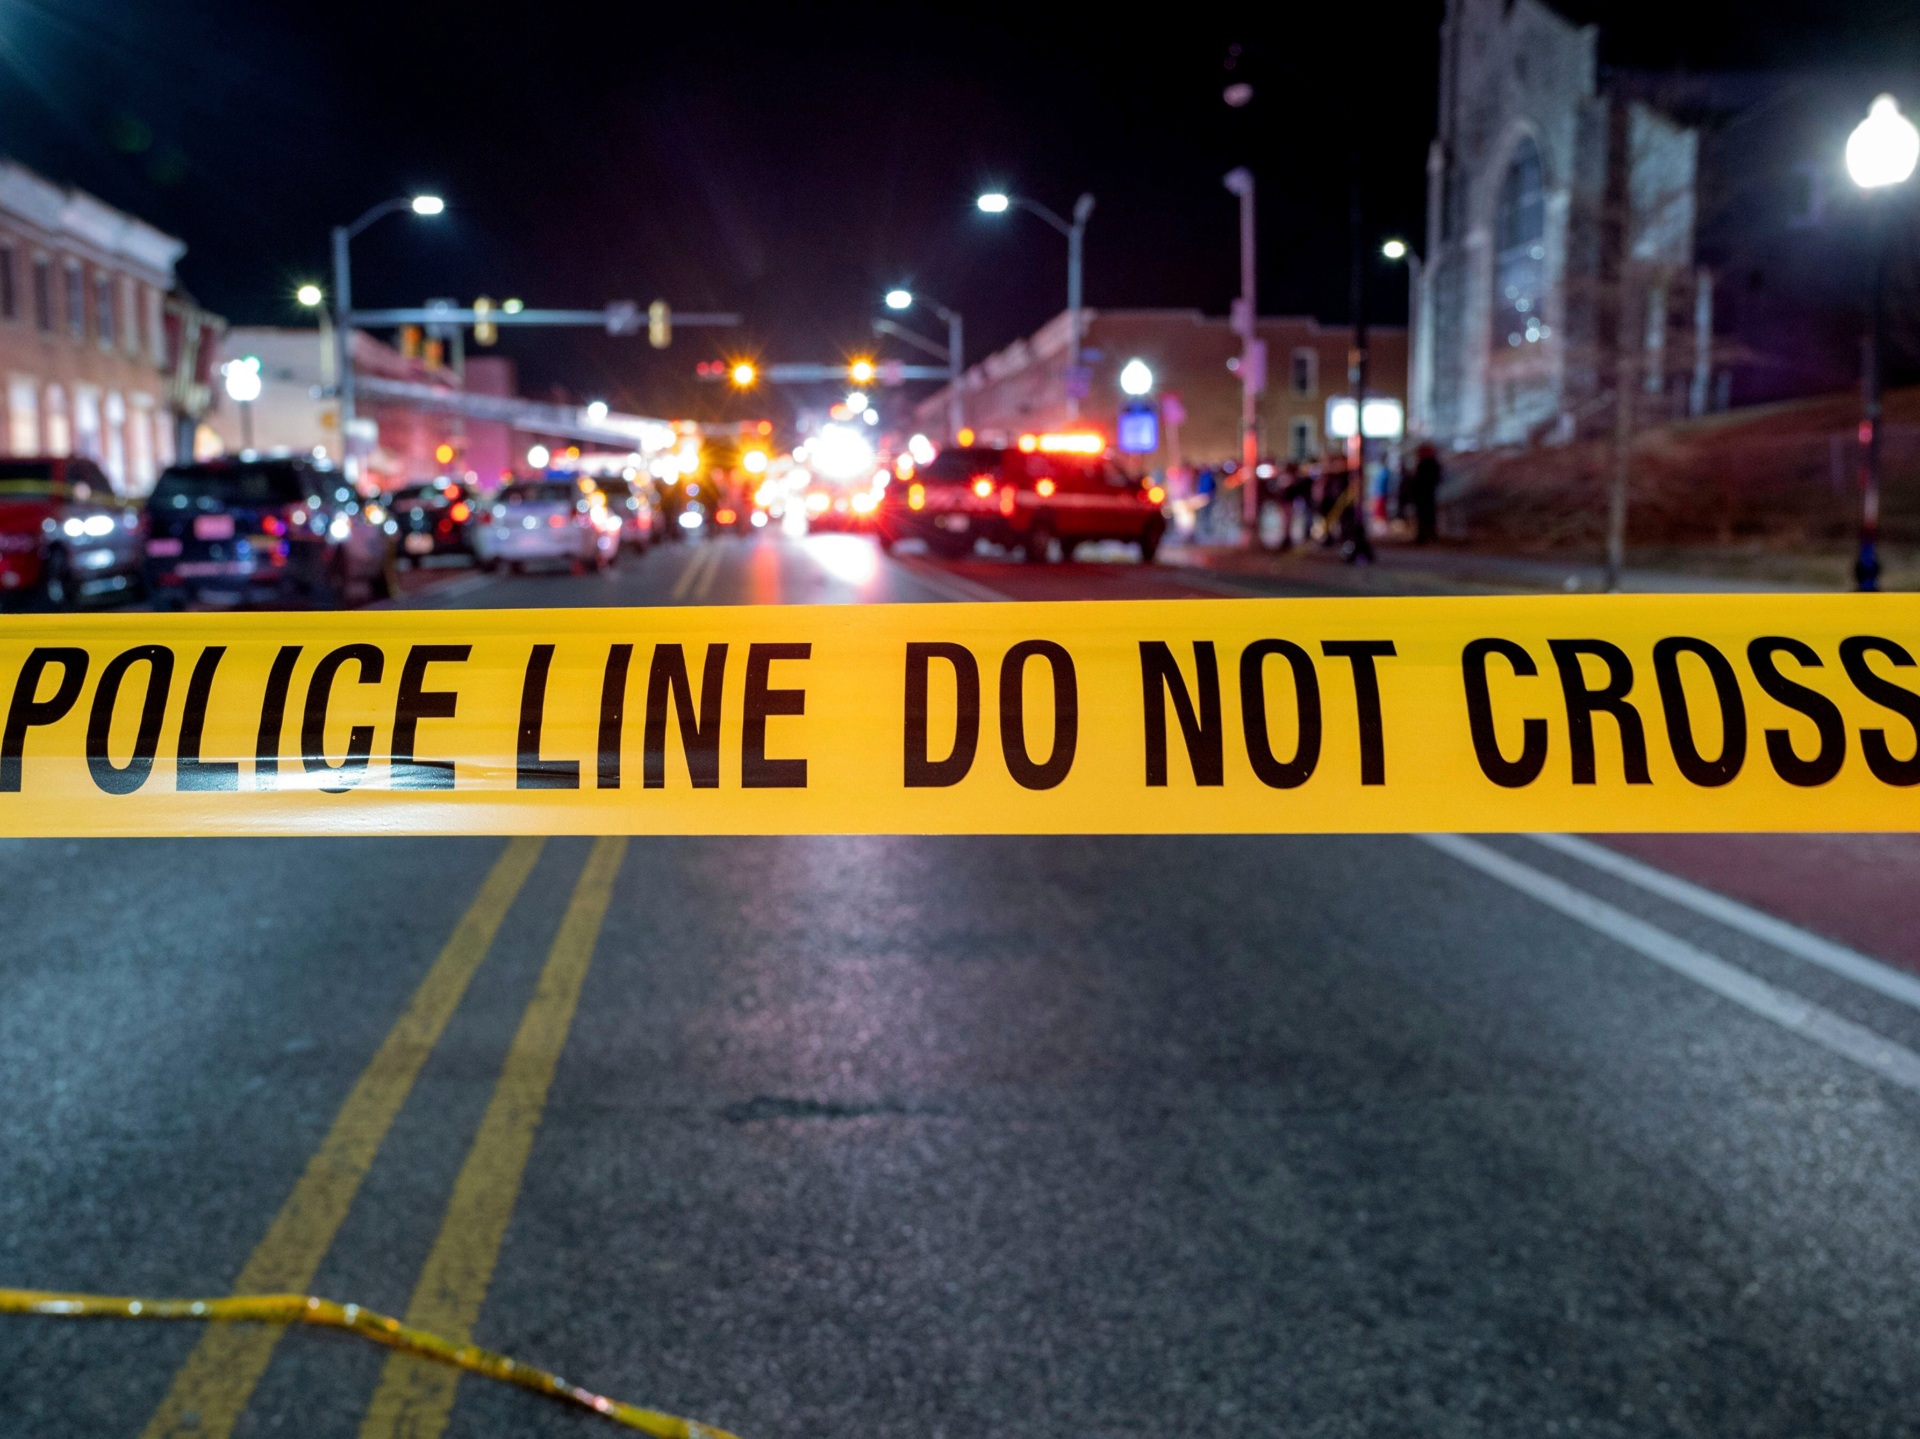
1423, 492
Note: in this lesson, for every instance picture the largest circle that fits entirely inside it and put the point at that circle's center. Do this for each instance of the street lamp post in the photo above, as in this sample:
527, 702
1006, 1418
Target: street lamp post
1416, 327
1253, 366
996, 202
956, 350
343, 308
311, 297
1881, 154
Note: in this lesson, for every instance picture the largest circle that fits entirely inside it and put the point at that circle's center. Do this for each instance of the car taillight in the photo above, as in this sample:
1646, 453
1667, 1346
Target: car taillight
1007, 500
983, 487
460, 511
916, 497
1044, 489
1156, 495
272, 525
557, 521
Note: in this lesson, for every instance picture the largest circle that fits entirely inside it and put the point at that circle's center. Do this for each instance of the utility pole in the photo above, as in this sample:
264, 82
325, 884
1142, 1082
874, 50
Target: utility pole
1076, 241
1253, 378
342, 346
1361, 543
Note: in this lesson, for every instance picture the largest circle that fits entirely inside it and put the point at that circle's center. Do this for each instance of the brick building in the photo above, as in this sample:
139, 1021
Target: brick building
84, 351
1023, 387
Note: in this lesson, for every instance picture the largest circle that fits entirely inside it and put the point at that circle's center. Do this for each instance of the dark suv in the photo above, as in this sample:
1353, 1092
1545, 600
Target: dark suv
1026, 497
274, 531
433, 519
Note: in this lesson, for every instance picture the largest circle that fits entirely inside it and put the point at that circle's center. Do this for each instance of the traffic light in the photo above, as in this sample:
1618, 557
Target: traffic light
659, 324
743, 374
861, 371
485, 332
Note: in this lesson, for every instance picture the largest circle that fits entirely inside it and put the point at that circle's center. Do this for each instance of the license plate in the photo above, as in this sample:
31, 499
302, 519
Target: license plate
219, 597
419, 544
196, 569
213, 527
960, 524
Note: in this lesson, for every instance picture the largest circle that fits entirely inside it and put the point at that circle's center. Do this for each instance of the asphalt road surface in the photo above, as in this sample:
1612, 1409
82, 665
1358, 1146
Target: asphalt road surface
955, 1137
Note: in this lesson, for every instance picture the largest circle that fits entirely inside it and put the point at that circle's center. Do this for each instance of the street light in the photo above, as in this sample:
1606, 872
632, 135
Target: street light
1881, 154
1136, 378
1398, 249
243, 388
1253, 352
998, 202
343, 307
596, 412
903, 299
312, 297
743, 375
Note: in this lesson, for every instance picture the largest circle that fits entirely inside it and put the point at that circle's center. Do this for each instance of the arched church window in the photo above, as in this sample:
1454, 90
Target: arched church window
1520, 252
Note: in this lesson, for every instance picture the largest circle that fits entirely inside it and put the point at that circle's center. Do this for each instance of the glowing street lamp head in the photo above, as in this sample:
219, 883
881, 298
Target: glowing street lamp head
899, 299
994, 202
309, 295
596, 412
861, 372
1394, 249
428, 204
743, 375
1136, 377
1884, 147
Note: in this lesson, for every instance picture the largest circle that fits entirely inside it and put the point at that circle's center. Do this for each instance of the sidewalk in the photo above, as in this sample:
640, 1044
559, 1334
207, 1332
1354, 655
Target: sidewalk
1403, 569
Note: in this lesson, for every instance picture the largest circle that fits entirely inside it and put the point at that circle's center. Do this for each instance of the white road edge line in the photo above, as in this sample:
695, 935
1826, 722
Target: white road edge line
1837, 959
1892, 1062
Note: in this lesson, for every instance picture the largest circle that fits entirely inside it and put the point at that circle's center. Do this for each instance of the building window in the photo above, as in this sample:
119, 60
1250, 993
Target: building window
43, 294
1306, 371
140, 470
23, 415
1520, 252
1300, 444
156, 327
103, 307
56, 431
76, 300
129, 315
9, 286
86, 422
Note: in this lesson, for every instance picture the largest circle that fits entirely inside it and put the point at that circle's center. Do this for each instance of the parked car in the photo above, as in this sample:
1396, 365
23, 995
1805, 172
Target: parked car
432, 519
276, 531
1048, 493
543, 521
632, 502
65, 536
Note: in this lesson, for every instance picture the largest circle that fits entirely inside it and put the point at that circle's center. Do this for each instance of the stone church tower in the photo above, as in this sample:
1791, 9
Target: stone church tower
1560, 241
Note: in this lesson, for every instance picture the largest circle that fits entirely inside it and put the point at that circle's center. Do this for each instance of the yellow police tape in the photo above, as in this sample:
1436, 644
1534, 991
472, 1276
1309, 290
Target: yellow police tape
1705, 712
324, 1313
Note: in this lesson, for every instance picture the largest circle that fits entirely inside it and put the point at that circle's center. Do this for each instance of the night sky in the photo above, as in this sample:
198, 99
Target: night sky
790, 164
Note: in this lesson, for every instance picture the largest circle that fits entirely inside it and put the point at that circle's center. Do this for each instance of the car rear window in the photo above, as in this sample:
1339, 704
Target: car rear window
958, 466
540, 493
231, 484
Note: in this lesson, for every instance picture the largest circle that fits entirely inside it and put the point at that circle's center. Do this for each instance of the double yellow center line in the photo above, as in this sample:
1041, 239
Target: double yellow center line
212, 1388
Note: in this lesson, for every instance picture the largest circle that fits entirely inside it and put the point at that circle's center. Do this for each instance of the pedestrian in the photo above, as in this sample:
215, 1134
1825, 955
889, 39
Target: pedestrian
1203, 492
1423, 486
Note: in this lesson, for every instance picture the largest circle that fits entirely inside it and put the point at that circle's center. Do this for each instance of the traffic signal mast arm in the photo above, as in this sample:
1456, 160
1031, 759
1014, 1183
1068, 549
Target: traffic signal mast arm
618, 319
885, 372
